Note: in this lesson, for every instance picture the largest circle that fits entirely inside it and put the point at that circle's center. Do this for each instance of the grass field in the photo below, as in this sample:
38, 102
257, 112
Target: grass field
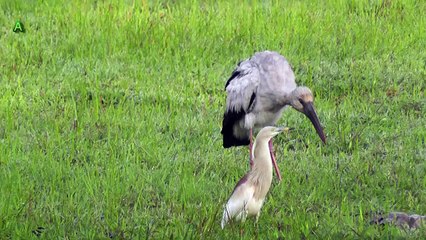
110, 118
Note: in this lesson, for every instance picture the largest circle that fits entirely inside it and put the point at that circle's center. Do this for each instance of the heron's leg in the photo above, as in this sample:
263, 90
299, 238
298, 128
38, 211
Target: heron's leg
274, 162
256, 224
251, 148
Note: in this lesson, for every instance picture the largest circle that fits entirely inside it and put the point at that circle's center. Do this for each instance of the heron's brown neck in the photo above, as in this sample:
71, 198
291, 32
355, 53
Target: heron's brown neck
262, 156
261, 173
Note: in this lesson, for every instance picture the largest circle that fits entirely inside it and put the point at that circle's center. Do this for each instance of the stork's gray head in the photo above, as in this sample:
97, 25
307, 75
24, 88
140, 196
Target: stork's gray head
303, 101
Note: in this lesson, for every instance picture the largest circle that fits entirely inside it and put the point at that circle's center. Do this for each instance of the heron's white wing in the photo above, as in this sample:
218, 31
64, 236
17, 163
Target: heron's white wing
242, 86
236, 207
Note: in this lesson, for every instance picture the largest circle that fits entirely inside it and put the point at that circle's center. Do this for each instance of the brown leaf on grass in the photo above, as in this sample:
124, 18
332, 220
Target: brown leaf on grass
391, 92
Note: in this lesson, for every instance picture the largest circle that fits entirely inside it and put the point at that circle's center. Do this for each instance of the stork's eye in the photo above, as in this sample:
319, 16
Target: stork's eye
301, 101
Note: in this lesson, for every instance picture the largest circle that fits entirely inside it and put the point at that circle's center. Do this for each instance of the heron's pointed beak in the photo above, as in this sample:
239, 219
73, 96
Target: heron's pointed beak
283, 129
309, 111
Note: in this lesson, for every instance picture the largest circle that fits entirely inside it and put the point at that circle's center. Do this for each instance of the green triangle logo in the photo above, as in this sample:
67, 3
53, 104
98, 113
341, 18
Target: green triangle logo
19, 27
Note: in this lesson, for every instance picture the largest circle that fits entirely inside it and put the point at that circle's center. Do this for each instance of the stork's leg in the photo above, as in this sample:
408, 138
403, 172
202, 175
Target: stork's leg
274, 162
251, 148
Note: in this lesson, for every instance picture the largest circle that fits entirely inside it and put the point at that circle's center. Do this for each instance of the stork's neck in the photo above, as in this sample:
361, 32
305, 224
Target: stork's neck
287, 99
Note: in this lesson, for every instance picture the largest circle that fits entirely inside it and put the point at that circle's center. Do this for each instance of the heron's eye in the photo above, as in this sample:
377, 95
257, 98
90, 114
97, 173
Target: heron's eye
301, 101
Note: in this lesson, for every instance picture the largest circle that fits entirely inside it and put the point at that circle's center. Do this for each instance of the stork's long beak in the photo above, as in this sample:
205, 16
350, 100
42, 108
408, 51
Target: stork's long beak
309, 111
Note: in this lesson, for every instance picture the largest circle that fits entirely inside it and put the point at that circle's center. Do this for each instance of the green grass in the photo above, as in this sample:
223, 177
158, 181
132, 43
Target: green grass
110, 118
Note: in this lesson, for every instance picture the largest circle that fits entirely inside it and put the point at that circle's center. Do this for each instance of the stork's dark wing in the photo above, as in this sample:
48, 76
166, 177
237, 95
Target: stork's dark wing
241, 90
